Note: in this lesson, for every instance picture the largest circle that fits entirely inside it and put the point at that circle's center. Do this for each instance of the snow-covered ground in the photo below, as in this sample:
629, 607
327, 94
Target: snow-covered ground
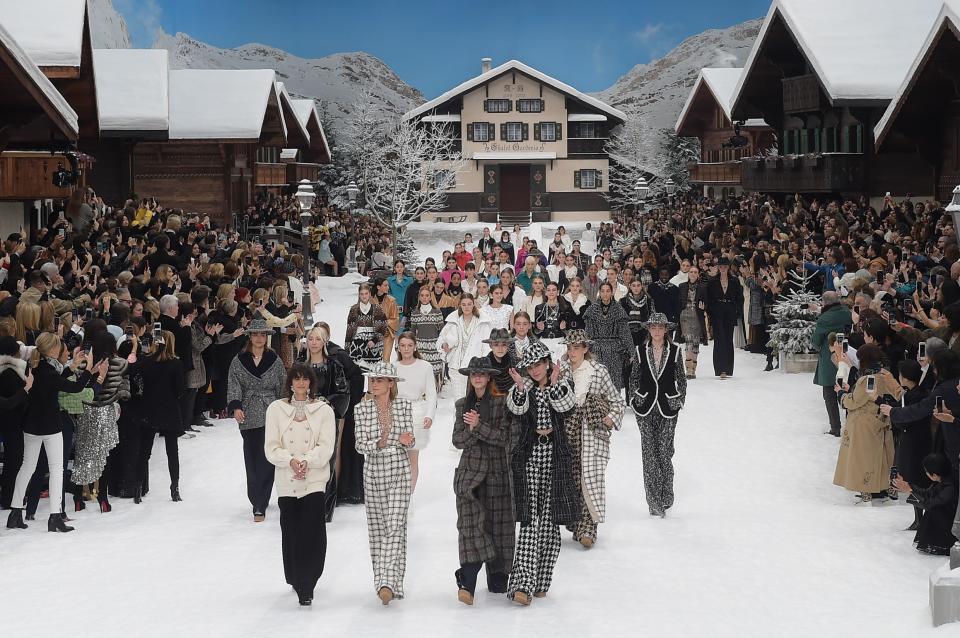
760, 543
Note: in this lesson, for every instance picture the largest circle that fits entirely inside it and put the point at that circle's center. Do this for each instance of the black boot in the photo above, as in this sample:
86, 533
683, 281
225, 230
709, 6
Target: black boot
15, 519
175, 493
305, 597
769, 363
917, 515
496, 582
55, 524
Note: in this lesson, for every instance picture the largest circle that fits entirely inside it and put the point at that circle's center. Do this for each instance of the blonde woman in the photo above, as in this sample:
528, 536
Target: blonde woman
421, 390
384, 430
426, 323
28, 322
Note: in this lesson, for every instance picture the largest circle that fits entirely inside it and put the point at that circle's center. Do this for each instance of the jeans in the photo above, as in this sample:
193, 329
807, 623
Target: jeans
53, 445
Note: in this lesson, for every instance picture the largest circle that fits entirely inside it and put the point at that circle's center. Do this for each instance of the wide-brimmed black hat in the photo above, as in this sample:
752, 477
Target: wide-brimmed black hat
478, 365
499, 335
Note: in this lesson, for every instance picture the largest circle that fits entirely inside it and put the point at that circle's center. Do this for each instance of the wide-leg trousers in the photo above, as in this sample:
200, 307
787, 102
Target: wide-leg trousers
260, 471
538, 545
303, 534
656, 440
386, 486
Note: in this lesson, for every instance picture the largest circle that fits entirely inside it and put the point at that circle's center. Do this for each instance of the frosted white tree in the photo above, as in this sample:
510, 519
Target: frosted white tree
634, 152
679, 153
404, 168
795, 322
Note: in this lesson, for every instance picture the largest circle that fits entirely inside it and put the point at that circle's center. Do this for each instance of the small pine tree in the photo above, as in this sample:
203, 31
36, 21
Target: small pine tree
795, 321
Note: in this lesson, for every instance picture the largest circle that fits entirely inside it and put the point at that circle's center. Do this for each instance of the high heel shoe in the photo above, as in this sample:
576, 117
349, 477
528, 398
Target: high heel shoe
104, 505
175, 493
55, 524
78, 504
15, 519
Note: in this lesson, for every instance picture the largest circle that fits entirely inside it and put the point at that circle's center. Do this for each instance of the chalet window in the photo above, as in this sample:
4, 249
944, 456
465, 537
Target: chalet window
530, 106
496, 106
443, 179
268, 154
548, 131
587, 178
587, 129
479, 132
514, 132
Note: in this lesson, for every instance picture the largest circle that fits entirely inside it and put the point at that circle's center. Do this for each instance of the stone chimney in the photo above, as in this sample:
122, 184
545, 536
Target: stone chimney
485, 64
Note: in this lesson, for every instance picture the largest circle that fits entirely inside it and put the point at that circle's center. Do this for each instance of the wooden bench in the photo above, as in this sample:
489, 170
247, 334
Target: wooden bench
449, 219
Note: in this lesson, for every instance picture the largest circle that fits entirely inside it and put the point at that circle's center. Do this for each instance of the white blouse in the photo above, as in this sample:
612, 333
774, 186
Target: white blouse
497, 317
418, 384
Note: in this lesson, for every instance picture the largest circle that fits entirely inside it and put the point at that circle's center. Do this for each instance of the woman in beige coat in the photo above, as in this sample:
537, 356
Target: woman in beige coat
866, 445
299, 440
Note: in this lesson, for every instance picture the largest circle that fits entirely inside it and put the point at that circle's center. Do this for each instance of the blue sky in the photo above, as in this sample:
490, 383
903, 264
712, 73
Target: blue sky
434, 45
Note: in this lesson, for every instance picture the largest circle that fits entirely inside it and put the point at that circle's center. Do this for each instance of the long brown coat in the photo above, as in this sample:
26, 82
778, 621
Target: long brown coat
866, 446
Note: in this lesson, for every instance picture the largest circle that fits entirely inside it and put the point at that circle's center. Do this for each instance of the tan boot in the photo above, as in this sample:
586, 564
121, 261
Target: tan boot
465, 597
522, 598
691, 366
540, 594
586, 541
386, 595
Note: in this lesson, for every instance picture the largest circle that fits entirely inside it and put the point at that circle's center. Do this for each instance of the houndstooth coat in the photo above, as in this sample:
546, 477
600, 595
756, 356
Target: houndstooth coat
481, 483
566, 502
597, 398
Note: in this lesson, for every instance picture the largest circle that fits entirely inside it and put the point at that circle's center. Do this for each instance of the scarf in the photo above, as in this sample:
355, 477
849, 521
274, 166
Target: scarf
426, 309
55, 363
365, 307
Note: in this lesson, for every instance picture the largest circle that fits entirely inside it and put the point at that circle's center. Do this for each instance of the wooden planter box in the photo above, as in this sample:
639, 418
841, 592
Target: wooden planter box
798, 363
813, 162
791, 163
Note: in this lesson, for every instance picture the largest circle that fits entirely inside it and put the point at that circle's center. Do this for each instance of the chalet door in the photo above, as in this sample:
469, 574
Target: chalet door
515, 188
949, 174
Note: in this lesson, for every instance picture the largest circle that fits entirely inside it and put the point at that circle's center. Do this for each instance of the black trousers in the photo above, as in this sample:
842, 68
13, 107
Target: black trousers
833, 407
171, 447
260, 471
12, 460
724, 323
350, 485
187, 401
303, 533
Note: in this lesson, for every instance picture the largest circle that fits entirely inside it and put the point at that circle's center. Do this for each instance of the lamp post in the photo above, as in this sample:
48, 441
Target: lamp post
640, 192
954, 209
305, 196
670, 187
352, 192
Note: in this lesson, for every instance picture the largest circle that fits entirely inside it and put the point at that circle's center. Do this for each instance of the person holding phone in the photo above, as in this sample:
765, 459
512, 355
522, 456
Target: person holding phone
866, 443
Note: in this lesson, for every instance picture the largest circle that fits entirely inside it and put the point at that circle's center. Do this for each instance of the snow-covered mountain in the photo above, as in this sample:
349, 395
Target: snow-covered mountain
108, 29
338, 79
661, 87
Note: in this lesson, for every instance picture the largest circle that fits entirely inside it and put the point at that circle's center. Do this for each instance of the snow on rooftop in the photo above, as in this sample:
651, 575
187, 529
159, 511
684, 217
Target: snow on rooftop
50, 31
721, 81
586, 117
132, 89
949, 13
219, 104
306, 109
523, 68
859, 49
36, 76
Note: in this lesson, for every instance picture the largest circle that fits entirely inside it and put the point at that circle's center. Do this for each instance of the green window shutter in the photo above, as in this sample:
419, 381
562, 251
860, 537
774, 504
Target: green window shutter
525, 130
485, 106
536, 131
491, 132
859, 138
599, 179
543, 106
559, 129
503, 132
576, 179
470, 132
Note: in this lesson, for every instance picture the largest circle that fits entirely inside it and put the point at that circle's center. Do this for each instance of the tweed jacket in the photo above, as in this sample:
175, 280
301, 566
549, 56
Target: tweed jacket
566, 504
197, 376
368, 427
252, 389
312, 440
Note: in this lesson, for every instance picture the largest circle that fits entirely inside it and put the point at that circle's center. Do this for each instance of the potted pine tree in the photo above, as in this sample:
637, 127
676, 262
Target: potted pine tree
795, 323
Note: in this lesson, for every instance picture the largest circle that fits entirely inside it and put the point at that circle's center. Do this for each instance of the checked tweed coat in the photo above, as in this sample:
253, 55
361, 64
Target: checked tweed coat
386, 484
613, 344
565, 499
481, 483
596, 398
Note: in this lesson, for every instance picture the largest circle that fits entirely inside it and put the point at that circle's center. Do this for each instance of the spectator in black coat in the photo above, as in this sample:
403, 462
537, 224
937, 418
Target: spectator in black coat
666, 296
13, 404
913, 439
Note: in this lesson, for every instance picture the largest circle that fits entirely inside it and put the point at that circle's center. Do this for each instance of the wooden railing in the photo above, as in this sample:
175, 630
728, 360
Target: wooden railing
716, 173
297, 171
269, 174
827, 173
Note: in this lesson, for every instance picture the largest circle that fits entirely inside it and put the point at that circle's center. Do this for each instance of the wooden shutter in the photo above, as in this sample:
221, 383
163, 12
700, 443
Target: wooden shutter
491, 132
543, 106
576, 179
525, 128
509, 106
558, 127
536, 131
486, 108
598, 180
503, 132
470, 132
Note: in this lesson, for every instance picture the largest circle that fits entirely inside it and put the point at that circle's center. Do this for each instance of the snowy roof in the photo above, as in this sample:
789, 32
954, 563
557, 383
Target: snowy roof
307, 110
586, 117
721, 82
132, 89
860, 50
220, 104
50, 31
523, 155
523, 68
55, 105
949, 14
285, 100
289, 153
443, 117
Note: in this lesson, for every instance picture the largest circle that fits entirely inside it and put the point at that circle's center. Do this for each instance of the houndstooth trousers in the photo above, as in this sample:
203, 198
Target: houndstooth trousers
656, 439
386, 485
539, 544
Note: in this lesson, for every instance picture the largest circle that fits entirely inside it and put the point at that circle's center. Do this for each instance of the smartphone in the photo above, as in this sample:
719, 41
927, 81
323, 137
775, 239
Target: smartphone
157, 329
88, 314
922, 350
129, 331
60, 215
940, 406
63, 233
289, 296
845, 345
856, 308
76, 314
871, 383
892, 321
56, 323
87, 348
841, 337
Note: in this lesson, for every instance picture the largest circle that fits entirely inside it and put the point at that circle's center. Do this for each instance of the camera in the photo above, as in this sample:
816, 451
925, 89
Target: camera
940, 404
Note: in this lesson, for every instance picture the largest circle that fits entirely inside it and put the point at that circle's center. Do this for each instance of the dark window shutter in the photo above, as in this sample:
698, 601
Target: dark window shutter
485, 106
470, 132
576, 179
503, 132
526, 131
559, 129
543, 106
491, 132
536, 131
509, 106
599, 179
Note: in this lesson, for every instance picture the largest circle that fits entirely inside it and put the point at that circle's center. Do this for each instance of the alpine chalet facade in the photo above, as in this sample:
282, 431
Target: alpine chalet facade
534, 147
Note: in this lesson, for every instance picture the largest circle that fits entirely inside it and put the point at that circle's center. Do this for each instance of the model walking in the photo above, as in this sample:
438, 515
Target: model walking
299, 439
693, 323
481, 483
419, 388
725, 305
545, 496
659, 389
366, 330
426, 322
599, 410
384, 434
607, 325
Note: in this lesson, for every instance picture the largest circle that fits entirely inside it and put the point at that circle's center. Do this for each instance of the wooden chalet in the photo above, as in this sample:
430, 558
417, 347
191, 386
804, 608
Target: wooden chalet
923, 119
272, 172
821, 75
706, 116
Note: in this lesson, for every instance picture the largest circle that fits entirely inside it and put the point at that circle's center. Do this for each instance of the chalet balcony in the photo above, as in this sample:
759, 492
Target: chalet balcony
269, 174
297, 171
726, 173
586, 145
825, 173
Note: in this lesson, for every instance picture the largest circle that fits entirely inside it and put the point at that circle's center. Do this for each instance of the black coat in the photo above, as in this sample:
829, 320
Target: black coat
915, 442
638, 311
183, 336
163, 385
948, 434
725, 306
42, 416
648, 391
666, 299
13, 398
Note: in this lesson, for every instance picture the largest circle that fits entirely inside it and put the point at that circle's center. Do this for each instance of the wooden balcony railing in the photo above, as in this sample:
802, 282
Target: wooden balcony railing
716, 173
827, 173
269, 174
